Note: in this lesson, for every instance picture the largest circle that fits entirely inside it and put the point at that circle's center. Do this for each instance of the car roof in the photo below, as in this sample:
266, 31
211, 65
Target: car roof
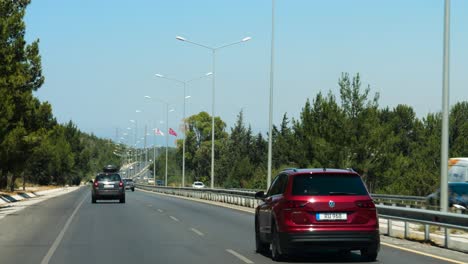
295, 171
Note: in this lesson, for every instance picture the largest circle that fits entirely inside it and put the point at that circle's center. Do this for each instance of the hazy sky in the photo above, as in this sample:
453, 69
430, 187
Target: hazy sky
99, 57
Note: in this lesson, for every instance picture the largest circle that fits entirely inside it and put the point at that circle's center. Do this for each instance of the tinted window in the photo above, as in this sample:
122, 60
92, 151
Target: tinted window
279, 185
328, 184
108, 177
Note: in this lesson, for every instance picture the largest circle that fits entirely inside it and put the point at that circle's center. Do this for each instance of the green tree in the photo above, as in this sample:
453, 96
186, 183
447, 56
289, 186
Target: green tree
20, 75
459, 130
198, 144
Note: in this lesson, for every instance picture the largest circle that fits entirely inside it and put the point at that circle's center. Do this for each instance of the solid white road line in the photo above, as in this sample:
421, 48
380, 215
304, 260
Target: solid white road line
59, 238
239, 256
173, 218
197, 232
423, 254
159, 210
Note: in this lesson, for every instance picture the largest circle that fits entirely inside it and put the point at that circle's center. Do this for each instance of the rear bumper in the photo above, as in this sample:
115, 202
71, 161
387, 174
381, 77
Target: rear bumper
108, 194
350, 240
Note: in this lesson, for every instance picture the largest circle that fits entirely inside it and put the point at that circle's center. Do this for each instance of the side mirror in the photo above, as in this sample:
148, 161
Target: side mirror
260, 195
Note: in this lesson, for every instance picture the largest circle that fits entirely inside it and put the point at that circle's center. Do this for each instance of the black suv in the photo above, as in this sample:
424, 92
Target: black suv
108, 185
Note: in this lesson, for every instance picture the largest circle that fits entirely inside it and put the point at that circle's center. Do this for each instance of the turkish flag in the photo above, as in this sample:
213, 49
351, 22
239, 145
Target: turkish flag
172, 132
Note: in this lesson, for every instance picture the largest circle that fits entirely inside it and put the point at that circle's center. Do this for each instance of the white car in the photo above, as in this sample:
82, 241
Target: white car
151, 181
198, 185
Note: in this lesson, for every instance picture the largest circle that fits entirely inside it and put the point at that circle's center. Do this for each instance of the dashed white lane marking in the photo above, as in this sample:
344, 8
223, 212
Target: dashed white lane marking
239, 256
197, 232
59, 238
159, 210
422, 253
173, 218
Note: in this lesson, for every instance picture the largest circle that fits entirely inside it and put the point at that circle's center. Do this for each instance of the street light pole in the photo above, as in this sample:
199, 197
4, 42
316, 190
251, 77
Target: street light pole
445, 113
146, 151
167, 141
213, 51
213, 81
270, 122
184, 83
183, 144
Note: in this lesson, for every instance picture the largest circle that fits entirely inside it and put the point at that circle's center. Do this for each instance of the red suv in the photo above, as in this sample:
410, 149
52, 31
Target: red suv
315, 209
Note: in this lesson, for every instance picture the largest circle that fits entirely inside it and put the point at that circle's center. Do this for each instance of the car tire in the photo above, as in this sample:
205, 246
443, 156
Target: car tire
93, 199
369, 254
276, 253
122, 199
260, 246
133, 189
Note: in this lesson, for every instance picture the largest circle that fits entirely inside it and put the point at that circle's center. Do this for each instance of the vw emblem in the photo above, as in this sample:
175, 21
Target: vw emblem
331, 204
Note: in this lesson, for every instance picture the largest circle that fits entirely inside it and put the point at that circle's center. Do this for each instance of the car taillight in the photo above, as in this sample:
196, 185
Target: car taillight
296, 204
96, 184
365, 204
120, 184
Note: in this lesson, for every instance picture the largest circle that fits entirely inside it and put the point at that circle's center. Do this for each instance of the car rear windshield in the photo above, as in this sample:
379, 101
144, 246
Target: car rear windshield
328, 184
108, 177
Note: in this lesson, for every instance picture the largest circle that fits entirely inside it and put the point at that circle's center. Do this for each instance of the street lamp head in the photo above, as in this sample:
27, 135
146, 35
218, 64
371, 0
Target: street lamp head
172, 110
180, 38
138, 111
147, 97
246, 39
208, 74
131, 120
159, 75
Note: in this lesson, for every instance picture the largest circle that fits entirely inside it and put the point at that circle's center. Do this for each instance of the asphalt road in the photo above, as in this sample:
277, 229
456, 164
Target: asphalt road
149, 228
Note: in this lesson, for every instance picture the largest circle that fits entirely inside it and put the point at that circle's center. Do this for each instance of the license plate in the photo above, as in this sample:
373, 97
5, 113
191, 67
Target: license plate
108, 185
331, 216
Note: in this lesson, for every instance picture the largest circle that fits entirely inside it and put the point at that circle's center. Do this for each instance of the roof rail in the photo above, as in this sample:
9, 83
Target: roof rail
287, 169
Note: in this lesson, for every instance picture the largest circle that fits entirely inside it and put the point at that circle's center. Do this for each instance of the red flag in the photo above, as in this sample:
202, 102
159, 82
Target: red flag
172, 132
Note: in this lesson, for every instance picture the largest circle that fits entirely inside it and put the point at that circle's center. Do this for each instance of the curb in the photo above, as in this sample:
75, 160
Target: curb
7, 199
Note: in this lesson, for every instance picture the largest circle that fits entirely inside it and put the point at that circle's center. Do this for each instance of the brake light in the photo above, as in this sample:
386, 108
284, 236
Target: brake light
296, 204
120, 184
365, 204
96, 184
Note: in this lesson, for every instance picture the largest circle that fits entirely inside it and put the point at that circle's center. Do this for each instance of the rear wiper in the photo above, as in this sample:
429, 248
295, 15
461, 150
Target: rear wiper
341, 193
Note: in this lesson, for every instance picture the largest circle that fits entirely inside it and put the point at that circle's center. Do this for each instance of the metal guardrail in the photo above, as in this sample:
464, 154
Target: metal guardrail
391, 213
